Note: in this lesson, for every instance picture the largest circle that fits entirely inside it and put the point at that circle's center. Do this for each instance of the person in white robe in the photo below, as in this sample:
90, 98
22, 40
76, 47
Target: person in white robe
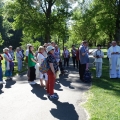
114, 60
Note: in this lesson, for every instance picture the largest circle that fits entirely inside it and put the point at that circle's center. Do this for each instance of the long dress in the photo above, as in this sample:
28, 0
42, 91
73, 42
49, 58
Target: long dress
8, 70
114, 62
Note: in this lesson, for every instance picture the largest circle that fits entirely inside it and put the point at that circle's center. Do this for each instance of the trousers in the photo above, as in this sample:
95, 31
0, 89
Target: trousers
66, 60
32, 74
19, 64
1, 75
98, 69
82, 68
51, 82
75, 62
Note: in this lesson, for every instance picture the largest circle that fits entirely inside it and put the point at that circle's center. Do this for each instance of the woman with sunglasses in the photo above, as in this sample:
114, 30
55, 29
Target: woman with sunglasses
51, 72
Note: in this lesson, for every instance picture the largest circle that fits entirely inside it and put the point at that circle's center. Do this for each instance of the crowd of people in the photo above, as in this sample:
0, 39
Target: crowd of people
52, 53
9, 57
33, 61
113, 54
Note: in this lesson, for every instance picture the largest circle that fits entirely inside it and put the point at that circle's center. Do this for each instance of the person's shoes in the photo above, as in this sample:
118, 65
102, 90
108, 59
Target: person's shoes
53, 97
48, 94
2, 82
32, 83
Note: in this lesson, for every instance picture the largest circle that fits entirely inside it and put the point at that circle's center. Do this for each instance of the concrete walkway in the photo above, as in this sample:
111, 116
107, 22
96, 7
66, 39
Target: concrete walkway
21, 101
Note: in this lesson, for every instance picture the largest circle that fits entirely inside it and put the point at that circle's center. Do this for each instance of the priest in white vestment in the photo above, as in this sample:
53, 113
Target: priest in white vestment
114, 60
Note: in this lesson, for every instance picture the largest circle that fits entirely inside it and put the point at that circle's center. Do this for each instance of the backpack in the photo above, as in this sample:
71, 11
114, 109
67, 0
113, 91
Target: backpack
87, 76
44, 66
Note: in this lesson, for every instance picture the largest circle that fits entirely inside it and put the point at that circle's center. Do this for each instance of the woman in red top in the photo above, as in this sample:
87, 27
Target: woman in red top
1, 76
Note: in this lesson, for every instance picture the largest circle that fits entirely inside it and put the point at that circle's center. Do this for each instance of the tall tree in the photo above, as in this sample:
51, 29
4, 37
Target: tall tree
38, 17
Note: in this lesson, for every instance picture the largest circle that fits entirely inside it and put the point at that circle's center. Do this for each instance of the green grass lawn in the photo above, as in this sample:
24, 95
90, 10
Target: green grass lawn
104, 96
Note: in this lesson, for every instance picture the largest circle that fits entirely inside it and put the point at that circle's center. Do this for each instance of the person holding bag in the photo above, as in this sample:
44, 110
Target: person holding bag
40, 58
51, 72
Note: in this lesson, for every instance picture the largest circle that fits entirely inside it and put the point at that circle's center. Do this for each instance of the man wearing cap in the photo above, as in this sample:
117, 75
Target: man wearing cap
114, 60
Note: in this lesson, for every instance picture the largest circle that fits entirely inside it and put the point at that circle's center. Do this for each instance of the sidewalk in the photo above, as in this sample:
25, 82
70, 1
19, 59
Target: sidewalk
21, 101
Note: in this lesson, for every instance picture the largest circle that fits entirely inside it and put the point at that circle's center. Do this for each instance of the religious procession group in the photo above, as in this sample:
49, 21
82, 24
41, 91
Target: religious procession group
113, 55
51, 51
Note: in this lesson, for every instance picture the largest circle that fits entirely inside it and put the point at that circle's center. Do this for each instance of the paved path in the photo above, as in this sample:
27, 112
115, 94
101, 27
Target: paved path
21, 101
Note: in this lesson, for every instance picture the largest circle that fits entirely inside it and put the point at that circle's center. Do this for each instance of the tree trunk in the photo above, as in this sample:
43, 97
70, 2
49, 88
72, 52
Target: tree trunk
117, 31
48, 15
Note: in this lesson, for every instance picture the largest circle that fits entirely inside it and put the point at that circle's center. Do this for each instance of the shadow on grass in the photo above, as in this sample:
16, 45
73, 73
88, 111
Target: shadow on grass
64, 111
105, 82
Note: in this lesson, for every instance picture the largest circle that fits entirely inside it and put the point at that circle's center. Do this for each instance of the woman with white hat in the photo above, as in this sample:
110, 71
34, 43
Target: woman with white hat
8, 65
51, 72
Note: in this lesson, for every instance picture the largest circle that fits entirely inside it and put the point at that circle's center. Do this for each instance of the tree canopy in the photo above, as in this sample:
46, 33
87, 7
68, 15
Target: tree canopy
59, 20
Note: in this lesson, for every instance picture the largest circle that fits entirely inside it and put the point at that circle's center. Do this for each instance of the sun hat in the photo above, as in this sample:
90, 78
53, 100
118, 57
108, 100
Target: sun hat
10, 46
5, 49
49, 48
28, 45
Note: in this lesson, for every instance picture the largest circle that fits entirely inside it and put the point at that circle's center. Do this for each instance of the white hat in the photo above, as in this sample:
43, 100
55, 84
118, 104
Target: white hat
28, 45
5, 49
10, 46
49, 48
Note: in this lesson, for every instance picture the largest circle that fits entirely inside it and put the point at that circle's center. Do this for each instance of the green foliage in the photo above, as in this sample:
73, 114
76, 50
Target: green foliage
95, 23
27, 39
39, 18
1, 40
104, 96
